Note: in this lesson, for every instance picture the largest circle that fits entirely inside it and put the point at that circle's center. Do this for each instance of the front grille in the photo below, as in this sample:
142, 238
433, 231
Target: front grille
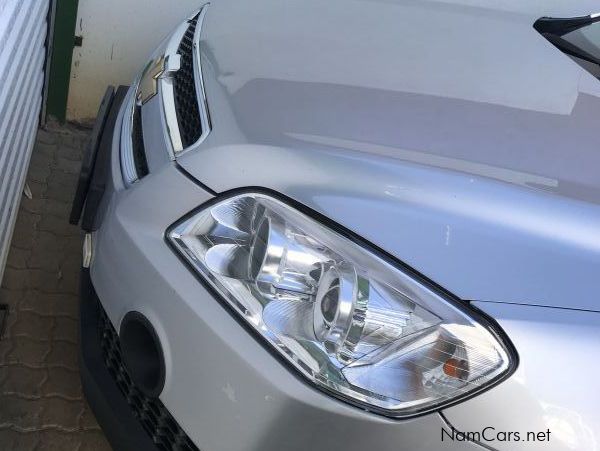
186, 98
152, 414
137, 143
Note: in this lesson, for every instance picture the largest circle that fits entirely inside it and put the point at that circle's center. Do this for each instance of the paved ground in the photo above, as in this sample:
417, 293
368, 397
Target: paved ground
41, 403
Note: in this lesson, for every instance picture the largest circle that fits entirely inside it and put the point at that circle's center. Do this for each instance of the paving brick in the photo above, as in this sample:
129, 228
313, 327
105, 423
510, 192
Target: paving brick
14, 278
61, 413
50, 304
87, 421
55, 440
69, 280
58, 226
42, 259
60, 177
76, 139
34, 205
45, 137
38, 173
69, 153
27, 221
63, 179
63, 353
61, 193
23, 351
37, 189
57, 208
47, 149
41, 280
11, 297
63, 382
94, 441
48, 242
11, 318
20, 413
14, 440
22, 379
38, 302
17, 258
71, 263
23, 233
32, 325
41, 401
68, 166
40, 164
65, 329
44, 153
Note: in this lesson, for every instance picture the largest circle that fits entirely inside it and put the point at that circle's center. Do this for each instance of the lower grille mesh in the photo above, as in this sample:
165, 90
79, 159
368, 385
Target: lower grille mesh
152, 414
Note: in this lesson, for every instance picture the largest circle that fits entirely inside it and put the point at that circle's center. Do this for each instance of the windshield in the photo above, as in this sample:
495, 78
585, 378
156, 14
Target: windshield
587, 39
577, 37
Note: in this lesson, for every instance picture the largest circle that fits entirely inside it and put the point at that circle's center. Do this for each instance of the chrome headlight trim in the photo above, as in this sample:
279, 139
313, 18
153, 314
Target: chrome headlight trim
174, 238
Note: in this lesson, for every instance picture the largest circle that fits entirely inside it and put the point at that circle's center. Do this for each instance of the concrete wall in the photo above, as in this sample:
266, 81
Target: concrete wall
117, 36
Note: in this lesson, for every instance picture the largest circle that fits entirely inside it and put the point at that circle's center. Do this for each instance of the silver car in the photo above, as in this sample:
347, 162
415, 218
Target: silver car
349, 225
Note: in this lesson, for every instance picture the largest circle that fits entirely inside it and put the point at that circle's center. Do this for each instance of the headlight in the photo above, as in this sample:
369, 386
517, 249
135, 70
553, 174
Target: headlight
350, 321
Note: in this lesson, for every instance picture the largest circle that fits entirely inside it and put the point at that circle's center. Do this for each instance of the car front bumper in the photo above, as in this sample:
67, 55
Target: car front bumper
226, 391
222, 386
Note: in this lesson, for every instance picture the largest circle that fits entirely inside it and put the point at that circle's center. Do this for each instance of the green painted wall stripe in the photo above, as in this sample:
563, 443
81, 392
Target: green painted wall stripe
62, 54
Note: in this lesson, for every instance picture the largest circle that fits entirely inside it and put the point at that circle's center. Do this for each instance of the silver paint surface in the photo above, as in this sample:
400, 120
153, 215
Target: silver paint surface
553, 388
222, 385
452, 135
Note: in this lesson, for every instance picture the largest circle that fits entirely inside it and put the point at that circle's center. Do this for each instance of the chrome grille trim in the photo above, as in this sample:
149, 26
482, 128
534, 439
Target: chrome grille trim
202, 102
128, 169
166, 93
200, 92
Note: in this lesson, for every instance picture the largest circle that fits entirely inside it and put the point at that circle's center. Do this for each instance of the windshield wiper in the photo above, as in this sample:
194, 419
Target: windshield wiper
553, 29
562, 26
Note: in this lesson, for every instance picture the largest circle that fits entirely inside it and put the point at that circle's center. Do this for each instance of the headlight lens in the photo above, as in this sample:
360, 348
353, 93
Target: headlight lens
345, 317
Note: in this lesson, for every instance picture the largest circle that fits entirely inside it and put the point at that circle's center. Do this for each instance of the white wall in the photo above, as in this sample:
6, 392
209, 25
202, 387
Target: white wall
118, 36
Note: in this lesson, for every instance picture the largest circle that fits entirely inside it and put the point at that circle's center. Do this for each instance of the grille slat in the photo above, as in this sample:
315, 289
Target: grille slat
151, 413
186, 98
137, 143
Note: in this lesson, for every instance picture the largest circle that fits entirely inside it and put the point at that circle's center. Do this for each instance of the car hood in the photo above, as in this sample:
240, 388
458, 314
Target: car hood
450, 134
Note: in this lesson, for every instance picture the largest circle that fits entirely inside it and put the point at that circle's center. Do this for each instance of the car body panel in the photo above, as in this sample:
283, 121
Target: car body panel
554, 387
472, 158
222, 385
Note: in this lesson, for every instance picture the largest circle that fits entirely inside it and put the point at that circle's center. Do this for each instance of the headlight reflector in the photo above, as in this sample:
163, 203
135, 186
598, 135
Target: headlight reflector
348, 320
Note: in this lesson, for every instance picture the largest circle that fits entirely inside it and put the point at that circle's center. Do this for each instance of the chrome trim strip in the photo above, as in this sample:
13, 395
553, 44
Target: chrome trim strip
166, 91
203, 103
128, 169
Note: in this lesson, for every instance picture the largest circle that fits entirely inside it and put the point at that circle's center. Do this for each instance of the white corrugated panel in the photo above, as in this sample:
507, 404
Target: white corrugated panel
22, 52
